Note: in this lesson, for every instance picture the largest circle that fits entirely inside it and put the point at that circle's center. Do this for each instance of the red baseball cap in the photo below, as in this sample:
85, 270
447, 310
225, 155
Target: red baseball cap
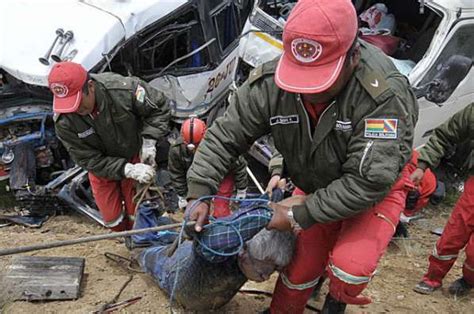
66, 80
316, 38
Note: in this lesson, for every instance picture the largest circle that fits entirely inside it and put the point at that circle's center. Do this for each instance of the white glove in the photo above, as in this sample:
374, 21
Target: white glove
139, 172
241, 194
182, 202
148, 152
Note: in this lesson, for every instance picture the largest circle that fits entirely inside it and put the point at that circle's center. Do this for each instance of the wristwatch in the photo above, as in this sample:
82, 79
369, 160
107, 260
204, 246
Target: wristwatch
291, 218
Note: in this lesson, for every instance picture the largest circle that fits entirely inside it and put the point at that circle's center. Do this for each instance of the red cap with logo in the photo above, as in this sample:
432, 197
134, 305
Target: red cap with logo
316, 39
66, 80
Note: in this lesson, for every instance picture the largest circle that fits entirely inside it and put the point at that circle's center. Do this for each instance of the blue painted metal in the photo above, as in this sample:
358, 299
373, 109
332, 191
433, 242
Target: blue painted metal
24, 116
37, 136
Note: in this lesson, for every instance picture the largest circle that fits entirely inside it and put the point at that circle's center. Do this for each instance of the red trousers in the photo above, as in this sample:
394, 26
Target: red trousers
350, 250
114, 198
221, 206
458, 233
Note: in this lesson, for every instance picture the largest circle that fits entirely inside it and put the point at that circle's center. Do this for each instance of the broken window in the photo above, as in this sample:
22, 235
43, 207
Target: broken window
152, 52
460, 44
226, 26
229, 21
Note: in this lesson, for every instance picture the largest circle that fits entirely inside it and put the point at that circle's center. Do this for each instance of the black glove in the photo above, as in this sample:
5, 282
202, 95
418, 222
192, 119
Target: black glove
412, 199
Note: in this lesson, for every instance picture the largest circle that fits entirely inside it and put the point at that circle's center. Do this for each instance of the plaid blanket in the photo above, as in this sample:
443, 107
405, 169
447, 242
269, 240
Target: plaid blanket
220, 239
225, 237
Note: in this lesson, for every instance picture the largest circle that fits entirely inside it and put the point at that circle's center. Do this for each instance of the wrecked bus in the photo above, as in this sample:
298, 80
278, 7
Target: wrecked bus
186, 48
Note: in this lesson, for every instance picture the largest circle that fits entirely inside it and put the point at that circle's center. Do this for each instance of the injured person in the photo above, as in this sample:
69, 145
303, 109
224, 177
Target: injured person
206, 273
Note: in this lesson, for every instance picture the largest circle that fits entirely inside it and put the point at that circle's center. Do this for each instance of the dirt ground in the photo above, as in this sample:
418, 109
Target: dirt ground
391, 290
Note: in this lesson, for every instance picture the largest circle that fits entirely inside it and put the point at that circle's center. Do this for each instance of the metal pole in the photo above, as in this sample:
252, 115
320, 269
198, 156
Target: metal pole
98, 237
255, 180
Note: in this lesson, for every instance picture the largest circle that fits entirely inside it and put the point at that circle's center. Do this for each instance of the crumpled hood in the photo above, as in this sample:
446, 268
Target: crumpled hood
28, 29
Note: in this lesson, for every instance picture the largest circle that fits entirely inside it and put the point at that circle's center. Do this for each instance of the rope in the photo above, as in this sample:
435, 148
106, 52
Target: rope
212, 222
142, 192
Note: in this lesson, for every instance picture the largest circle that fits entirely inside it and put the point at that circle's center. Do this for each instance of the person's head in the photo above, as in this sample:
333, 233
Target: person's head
320, 49
192, 132
72, 87
268, 251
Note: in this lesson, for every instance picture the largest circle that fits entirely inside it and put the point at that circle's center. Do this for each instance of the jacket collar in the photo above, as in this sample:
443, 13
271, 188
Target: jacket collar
102, 97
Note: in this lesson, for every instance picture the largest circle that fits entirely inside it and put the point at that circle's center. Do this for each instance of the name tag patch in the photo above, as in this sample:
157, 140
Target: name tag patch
343, 126
381, 128
86, 133
293, 119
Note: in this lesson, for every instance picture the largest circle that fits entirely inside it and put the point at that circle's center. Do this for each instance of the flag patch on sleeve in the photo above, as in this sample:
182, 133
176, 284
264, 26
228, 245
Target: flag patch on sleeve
140, 93
381, 128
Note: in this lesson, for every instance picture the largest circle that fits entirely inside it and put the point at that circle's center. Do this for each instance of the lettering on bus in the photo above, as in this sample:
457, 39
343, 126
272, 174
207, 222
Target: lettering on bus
226, 70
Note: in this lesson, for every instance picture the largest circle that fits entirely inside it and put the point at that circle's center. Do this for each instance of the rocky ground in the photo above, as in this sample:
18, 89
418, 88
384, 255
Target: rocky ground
391, 290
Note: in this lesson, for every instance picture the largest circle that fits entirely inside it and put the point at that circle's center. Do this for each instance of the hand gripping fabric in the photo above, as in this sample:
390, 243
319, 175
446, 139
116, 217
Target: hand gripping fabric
139, 172
225, 237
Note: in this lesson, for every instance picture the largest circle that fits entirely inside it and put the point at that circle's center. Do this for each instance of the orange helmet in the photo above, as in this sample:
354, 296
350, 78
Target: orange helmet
192, 131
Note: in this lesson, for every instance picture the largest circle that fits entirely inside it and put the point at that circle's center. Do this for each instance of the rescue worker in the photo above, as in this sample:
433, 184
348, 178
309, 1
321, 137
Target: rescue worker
110, 126
459, 230
419, 196
181, 157
343, 118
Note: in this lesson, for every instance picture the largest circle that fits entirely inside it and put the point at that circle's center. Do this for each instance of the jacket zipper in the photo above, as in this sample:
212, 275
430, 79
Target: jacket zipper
327, 108
307, 116
366, 150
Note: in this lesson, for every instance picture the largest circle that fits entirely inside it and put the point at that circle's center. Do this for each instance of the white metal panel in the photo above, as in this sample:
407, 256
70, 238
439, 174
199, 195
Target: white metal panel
137, 14
197, 93
454, 5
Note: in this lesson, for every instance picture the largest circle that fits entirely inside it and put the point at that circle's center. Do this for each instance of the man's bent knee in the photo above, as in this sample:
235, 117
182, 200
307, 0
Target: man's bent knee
298, 284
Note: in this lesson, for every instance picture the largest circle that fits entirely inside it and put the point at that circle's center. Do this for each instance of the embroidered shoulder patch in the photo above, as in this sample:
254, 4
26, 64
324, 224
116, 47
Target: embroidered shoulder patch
86, 133
140, 93
292, 119
381, 128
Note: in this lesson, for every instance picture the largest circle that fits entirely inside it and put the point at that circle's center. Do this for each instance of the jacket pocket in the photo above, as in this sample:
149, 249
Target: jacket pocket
121, 118
380, 162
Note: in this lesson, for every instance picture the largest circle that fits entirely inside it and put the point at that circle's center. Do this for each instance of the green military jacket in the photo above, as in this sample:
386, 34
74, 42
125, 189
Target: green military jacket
180, 160
276, 164
454, 131
350, 160
128, 109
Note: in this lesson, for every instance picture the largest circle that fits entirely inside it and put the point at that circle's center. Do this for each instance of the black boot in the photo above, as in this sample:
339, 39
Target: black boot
460, 287
332, 306
425, 288
401, 231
